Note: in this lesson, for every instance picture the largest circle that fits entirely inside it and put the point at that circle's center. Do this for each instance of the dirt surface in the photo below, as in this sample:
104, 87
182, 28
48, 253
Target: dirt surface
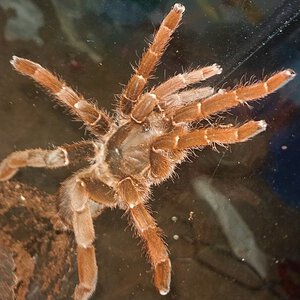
43, 258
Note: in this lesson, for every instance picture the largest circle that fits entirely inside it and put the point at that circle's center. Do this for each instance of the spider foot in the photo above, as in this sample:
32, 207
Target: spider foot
82, 292
162, 277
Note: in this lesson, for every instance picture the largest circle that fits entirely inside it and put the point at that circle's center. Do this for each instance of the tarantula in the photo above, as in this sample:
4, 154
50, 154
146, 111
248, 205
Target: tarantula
141, 146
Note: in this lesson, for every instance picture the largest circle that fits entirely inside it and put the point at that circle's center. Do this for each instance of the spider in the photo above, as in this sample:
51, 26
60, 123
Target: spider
140, 147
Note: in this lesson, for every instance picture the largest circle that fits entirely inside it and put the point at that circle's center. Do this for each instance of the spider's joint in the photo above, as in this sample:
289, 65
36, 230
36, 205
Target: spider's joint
148, 227
135, 120
199, 108
87, 246
152, 52
178, 97
165, 118
141, 77
63, 91
206, 137
97, 120
128, 99
176, 124
167, 28
236, 134
127, 178
80, 209
132, 205
266, 87
56, 158
183, 79
153, 96
155, 150
96, 147
66, 156
80, 104
160, 109
176, 141
237, 99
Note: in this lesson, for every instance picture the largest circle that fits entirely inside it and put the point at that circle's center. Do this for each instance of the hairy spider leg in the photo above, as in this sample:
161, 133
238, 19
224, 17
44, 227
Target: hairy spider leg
225, 100
41, 158
162, 162
171, 102
97, 121
183, 80
210, 136
150, 59
148, 101
179, 139
133, 193
75, 209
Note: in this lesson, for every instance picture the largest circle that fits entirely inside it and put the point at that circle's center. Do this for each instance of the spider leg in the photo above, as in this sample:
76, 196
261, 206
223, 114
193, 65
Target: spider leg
157, 96
133, 193
169, 103
97, 121
150, 59
162, 162
225, 100
41, 158
209, 136
77, 209
157, 250
181, 81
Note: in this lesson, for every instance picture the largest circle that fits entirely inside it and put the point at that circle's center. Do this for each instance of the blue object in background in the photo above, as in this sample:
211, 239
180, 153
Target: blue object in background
282, 168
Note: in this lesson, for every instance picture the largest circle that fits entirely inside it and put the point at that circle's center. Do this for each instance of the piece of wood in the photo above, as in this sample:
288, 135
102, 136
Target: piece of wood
37, 259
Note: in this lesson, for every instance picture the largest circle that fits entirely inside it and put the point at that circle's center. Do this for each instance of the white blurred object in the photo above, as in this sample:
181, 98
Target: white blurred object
26, 22
238, 234
68, 13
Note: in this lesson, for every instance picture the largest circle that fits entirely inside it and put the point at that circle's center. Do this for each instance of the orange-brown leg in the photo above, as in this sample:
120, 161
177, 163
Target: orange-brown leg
148, 101
150, 59
226, 100
157, 250
181, 81
172, 102
133, 193
163, 160
209, 136
40, 158
96, 120
76, 209
161, 165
